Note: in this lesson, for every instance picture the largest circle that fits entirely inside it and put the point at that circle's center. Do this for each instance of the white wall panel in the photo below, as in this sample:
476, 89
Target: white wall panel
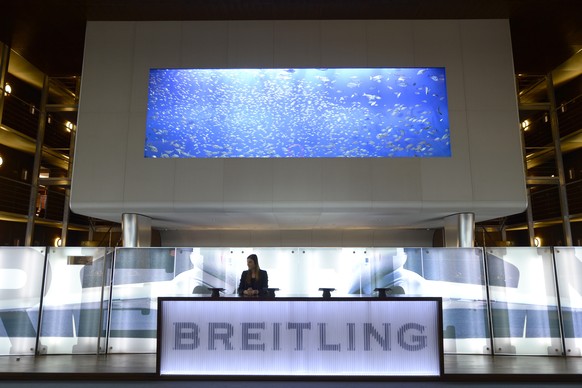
484, 59
389, 44
205, 44
343, 43
248, 181
202, 182
298, 180
297, 43
250, 44
485, 148
325, 193
107, 67
101, 161
347, 180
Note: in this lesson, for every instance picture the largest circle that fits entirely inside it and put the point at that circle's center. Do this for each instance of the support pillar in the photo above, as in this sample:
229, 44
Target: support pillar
4, 58
460, 230
35, 178
136, 230
564, 209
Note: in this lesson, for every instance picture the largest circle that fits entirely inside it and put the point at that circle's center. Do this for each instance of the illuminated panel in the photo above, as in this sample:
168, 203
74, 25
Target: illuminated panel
300, 337
297, 113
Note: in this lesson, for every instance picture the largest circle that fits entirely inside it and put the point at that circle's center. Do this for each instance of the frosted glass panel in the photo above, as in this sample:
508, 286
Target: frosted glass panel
569, 272
21, 270
140, 276
457, 275
523, 301
74, 313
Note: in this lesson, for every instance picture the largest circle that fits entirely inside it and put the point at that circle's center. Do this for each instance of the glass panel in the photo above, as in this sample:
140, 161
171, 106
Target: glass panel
523, 301
140, 276
569, 271
72, 316
21, 271
457, 275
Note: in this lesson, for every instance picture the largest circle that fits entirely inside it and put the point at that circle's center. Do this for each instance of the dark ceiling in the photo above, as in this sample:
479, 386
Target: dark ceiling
50, 33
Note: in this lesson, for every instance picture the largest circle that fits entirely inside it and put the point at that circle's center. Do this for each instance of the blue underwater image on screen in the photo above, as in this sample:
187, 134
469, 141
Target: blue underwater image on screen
297, 113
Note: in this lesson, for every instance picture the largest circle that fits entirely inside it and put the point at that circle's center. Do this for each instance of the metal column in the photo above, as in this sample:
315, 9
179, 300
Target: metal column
460, 230
4, 59
136, 230
564, 210
37, 161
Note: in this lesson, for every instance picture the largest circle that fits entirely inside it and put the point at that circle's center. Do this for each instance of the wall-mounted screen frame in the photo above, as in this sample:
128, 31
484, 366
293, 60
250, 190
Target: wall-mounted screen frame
297, 113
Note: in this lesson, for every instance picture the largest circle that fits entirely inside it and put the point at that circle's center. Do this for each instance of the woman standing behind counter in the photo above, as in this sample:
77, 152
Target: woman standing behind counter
255, 280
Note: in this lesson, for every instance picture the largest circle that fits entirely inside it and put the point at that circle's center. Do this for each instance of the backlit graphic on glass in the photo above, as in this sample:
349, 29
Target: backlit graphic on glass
297, 113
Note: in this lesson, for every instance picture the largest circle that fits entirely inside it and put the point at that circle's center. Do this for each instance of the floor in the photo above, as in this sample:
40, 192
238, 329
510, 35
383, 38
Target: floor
60, 371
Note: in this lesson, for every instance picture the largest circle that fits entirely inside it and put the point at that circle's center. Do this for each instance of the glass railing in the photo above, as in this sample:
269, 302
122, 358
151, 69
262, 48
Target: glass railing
522, 301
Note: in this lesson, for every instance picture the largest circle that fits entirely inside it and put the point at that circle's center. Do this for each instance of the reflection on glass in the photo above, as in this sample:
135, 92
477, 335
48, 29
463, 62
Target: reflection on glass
569, 272
140, 276
21, 270
73, 312
76, 298
524, 301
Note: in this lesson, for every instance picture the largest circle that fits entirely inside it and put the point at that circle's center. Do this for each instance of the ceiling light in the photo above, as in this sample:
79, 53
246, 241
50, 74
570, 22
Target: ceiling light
69, 126
1, 160
7, 89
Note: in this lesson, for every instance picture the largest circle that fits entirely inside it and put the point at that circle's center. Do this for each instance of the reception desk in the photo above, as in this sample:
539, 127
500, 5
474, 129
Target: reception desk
262, 337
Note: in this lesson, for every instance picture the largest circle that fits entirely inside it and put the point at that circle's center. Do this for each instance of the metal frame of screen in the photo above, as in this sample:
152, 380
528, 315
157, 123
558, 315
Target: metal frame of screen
297, 113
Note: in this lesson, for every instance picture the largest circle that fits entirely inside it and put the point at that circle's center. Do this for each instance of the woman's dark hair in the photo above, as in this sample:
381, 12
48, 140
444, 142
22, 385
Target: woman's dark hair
257, 271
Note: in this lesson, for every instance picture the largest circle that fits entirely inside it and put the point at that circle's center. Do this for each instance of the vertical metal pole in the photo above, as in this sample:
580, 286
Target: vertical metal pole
67, 208
559, 163
37, 160
37, 346
488, 296
528, 210
530, 222
4, 58
558, 303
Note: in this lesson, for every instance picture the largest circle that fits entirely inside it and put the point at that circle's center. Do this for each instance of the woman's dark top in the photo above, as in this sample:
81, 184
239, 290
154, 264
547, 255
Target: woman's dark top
256, 284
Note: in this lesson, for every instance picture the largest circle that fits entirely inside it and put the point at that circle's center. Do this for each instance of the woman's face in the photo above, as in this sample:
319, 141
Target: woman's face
250, 264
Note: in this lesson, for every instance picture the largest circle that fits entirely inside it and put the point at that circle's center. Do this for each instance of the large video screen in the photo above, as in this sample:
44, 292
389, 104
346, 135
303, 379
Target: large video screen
297, 113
